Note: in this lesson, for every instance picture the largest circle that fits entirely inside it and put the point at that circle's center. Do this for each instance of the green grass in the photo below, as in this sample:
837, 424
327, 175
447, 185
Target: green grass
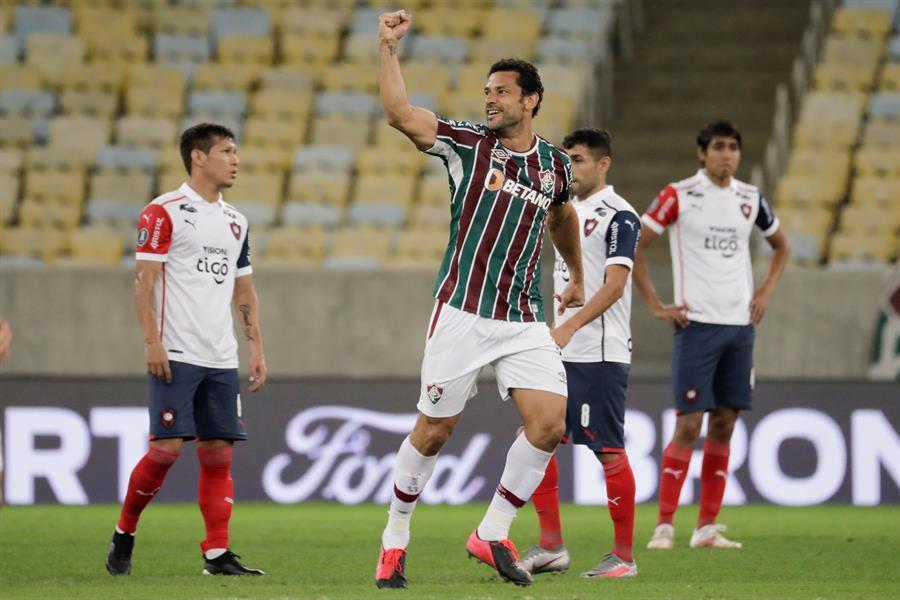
329, 551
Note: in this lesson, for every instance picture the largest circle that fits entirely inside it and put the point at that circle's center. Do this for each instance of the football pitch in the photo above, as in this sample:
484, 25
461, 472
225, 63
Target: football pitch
329, 551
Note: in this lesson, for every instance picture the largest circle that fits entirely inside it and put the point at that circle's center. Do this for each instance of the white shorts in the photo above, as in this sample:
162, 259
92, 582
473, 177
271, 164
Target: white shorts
459, 344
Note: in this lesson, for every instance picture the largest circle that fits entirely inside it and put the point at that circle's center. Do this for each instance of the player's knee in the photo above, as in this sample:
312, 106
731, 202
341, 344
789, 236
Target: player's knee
172, 447
435, 435
720, 428
687, 430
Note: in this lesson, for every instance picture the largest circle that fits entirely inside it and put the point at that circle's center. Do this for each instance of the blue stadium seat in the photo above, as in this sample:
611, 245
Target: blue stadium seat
306, 213
443, 49
376, 214
43, 19
239, 21
350, 103
556, 49
580, 22
323, 158
365, 20
26, 102
9, 50
428, 101
179, 48
218, 102
885, 105
894, 48
257, 214
126, 157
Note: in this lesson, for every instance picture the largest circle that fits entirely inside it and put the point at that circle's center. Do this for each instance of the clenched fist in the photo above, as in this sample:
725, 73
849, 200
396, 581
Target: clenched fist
393, 26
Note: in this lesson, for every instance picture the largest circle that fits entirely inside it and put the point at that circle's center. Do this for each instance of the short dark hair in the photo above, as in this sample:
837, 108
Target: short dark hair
201, 136
717, 128
529, 79
598, 141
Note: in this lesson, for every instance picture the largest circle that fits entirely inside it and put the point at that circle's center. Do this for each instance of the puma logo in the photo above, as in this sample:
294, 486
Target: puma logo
721, 473
676, 473
153, 493
229, 500
614, 501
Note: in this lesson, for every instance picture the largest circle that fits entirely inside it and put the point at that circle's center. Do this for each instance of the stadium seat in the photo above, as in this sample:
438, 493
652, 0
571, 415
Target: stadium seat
568, 51
241, 49
41, 19
93, 76
338, 128
299, 247
307, 214
431, 216
126, 158
114, 213
486, 50
262, 159
809, 190
463, 106
424, 247
513, 23
435, 190
50, 53
94, 246
407, 162
50, 158
853, 247
27, 241
272, 131
889, 80
289, 78
152, 132
825, 135
861, 22
880, 132
351, 104
232, 77
318, 22
365, 21
182, 20
362, 48
875, 191
19, 77
319, 187
449, 21
242, 21
324, 158
591, 24
54, 186
257, 188
169, 48
878, 162
885, 105
425, 78
96, 22
386, 137
282, 104
444, 50
831, 164
831, 76
26, 103
88, 103
36, 214
156, 90
302, 49
11, 161
358, 248
121, 47
880, 220
852, 51
352, 77
9, 50
9, 195
84, 135
127, 186
170, 180
15, 131
219, 103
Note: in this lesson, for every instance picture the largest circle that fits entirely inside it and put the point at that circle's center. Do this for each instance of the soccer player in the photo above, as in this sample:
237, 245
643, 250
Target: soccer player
193, 261
596, 344
710, 217
504, 182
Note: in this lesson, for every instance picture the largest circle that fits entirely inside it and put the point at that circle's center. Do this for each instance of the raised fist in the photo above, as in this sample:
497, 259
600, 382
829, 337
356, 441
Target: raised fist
394, 25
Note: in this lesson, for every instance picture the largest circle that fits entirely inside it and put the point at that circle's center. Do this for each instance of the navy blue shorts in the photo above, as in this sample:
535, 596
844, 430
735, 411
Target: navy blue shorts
200, 403
712, 365
595, 416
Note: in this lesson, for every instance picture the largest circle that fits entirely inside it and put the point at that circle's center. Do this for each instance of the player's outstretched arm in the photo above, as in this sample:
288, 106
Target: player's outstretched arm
420, 125
146, 274
562, 223
247, 304
5, 338
781, 252
675, 315
606, 296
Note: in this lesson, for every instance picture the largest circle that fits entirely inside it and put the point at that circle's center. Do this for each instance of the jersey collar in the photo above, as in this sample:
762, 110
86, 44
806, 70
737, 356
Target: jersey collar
193, 196
707, 182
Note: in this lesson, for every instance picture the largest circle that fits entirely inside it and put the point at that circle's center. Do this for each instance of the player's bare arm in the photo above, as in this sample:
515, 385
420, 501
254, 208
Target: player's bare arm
781, 252
5, 339
606, 296
247, 304
418, 124
671, 313
155, 355
562, 223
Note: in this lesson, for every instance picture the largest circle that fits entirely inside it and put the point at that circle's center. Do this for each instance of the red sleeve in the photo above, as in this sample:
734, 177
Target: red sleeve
664, 210
154, 231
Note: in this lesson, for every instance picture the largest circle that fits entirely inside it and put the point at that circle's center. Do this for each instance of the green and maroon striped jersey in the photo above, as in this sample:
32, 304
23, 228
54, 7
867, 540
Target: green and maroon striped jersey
499, 201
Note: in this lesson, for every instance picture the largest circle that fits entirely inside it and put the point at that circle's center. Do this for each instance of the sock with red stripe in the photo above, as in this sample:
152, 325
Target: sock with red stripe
524, 470
215, 494
412, 470
546, 504
620, 498
713, 477
675, 463
146, 479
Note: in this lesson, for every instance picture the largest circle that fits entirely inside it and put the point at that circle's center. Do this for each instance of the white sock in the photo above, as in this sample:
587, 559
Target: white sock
120, 531
524, 471
214, 553
411, 472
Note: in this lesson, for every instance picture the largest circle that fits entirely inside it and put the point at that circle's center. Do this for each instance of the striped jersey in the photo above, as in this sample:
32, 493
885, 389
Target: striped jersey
499, 201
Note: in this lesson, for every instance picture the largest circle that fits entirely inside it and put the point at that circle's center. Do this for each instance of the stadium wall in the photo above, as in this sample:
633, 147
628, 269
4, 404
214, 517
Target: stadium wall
75, 441
371, 324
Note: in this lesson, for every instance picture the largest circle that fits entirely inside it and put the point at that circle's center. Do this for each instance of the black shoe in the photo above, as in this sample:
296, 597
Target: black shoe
228, 564
118, 560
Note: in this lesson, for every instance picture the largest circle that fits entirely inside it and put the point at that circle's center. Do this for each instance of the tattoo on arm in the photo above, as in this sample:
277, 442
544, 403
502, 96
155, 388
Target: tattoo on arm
245, 310
392, 49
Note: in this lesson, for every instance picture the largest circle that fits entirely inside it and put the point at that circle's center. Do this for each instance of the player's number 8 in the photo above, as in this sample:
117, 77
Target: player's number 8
585, 415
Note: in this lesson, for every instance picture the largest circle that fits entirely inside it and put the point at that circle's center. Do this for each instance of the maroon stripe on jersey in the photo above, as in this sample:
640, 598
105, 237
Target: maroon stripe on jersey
501, 308
434, 319
524, 305
496, 219
560, 180
470, 203
509, 496
403, 496
162, 311
462, 135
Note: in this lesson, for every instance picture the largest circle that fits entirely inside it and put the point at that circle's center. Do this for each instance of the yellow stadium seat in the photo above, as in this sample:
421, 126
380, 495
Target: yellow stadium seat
835, 136
861, 22
559, 109
351, 77
471, 78
319, 188
260, 188
125, 186
889, 80
16, 131
852, 51
262, 159
307, 244
184, 19
246, 49
282, 104
361, 242
833, 76
170, 180
435, 190
875, 219
314, 22
40, 214
297, 78
148, 76
148, 132
54, 186
27, 241
834, 163
8, 206
430, 216
95, 246
463, 106
486, 50
11, 161
361, 48
423, 78
386, 137
9, 195
513, 23
274, 132
807, 220
878, 162
384, 189
80, 134
881, 133
51, 53
59, 158
94, 76
410, 5
88, 103
343, 129
95, 22
808, 190
832, 106
301, 49
407, 162
158, 102
450, 21
119, 47
854, 247
426, 244
875, 191
241, 77
19, 77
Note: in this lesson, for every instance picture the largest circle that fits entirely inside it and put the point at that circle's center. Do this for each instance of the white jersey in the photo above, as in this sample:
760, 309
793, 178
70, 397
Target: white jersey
709, 239
610, 230
204, 246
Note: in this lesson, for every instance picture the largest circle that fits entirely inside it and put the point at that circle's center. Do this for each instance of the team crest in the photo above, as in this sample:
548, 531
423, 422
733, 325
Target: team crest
434, 393
745, 210
548, 182
236, 230
168, 417
143, 236
589, 226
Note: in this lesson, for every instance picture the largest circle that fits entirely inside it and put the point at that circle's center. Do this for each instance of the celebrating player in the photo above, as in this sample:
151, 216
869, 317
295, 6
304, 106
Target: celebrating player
711, 216
504, 181
596, 343
193, 260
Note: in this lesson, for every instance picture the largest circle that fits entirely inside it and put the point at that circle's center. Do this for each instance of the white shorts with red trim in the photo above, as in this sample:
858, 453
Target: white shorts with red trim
460, 344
